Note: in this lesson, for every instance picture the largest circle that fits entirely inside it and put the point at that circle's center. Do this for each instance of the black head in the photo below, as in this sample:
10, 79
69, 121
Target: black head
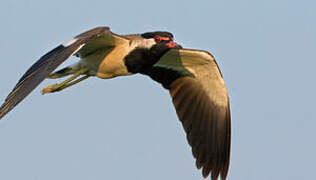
149, 35
141, 59
161, 37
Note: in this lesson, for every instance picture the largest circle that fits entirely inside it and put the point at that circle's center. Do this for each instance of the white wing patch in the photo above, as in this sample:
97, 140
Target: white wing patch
77, 49
70, 42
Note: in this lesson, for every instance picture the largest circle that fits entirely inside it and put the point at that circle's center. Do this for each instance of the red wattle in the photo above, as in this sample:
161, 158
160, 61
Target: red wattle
171, 44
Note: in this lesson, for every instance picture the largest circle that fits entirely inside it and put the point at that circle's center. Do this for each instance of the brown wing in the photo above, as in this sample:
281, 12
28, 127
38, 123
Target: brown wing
201, 101
86, 42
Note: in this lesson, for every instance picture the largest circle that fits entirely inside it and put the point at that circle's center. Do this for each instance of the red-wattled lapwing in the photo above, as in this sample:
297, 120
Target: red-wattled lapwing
192, 77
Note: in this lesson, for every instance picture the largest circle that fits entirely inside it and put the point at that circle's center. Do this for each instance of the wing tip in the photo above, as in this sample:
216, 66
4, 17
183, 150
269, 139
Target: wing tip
216, 163
3, 110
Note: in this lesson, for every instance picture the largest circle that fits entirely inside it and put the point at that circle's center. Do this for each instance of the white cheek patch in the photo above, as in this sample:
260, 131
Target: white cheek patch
68, 43
147, 43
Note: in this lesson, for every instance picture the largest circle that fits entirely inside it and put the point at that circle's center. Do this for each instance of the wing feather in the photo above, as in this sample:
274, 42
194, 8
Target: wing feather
201, 101
85, 42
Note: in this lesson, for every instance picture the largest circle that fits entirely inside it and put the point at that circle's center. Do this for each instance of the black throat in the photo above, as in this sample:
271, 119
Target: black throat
141, 60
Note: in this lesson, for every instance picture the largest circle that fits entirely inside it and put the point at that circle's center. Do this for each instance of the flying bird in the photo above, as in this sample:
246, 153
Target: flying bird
191, 76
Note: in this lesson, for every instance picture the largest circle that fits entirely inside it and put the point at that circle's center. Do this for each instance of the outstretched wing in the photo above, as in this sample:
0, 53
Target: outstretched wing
201, 101
84, 44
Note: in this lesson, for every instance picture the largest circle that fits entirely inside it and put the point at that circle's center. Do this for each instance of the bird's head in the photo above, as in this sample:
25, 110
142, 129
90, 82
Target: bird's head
153, 46
162, 38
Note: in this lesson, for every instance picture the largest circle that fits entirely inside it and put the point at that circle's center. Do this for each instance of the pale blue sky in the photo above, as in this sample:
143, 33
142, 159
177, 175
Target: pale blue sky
126, 128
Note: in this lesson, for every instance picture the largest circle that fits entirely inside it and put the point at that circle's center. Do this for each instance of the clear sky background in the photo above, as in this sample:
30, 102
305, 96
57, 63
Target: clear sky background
127, 128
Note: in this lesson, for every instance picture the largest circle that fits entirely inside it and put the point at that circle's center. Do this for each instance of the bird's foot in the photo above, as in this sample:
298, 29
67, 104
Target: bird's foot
50, 89
67, 83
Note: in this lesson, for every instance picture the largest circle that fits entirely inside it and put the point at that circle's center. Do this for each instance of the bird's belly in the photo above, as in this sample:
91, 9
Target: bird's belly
107, 63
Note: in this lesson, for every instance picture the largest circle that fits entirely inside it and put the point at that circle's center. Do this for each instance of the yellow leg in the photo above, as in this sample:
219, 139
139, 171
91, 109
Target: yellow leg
69, 70
67, 83
61, 73
73, 82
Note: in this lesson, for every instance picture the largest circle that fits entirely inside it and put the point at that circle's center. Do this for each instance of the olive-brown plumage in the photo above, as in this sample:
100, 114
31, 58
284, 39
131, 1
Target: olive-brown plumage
192, 77
202, 105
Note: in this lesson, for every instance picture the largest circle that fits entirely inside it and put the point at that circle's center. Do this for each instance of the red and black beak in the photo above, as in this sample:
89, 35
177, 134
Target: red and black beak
170, 43
173, 45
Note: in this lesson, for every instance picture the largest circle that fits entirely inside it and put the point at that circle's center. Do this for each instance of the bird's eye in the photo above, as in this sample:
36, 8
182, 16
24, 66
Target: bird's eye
158, 39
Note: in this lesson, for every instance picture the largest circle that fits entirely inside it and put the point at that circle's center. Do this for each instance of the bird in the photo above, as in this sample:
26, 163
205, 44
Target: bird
191, 76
